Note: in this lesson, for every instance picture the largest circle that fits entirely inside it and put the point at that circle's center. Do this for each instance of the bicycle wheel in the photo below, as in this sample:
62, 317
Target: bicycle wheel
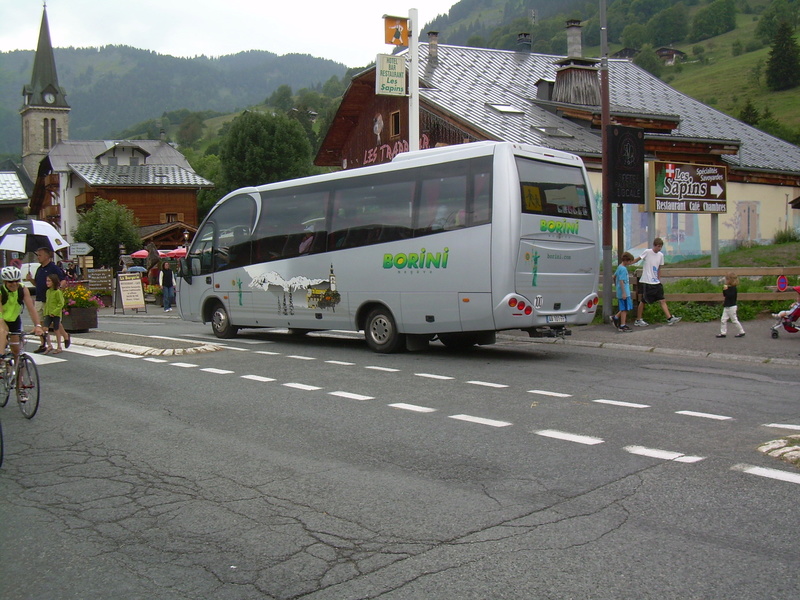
27, 386
7, 383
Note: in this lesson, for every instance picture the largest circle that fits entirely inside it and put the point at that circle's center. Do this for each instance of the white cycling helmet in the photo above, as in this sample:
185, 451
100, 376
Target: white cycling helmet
11, 274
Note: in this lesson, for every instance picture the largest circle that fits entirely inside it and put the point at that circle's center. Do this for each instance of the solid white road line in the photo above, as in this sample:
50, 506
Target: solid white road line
782, 426
553, 394
481, 421
662, 454
488, 384
623, 404
351, 396
414, 407
216, 371
258, 378
432, 376
302, 386
690, 413
570, 437
771, 473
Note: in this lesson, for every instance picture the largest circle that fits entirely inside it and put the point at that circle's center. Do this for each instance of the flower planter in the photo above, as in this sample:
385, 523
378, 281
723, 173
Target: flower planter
80, 319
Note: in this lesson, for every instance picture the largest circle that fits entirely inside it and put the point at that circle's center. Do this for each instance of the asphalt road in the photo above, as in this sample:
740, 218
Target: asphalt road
281, 467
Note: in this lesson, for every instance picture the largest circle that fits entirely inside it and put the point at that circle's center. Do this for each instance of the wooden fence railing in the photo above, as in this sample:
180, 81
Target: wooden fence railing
682, 273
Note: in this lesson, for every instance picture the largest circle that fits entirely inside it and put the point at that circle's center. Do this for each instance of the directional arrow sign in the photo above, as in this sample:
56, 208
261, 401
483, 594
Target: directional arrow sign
80, 249
690, 188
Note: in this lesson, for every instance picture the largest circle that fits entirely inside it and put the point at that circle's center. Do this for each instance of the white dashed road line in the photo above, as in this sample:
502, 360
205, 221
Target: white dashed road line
623, 404
268, 353
302, 386
183, 365
412, 407
481, 421
782, 426
385, 369
662, 454
298, 357
553, 394
770, 473
488, 384
258, 378
217, 371
351, 396
570, 437
690, 413
340, 362
432, 376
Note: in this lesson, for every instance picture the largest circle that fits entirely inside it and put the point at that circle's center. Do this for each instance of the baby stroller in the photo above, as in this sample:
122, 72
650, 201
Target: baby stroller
787, 319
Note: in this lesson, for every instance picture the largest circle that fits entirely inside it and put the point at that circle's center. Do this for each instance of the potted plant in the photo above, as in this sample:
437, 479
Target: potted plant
80, 308
153, 293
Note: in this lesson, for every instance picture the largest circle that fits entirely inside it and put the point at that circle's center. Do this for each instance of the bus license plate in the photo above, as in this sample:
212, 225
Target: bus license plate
556, 319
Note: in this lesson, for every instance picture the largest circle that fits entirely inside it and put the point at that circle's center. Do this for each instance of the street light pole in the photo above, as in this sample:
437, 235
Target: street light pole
605, 120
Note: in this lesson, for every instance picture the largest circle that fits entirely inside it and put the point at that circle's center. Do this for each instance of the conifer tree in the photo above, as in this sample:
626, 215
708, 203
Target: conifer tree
783, 65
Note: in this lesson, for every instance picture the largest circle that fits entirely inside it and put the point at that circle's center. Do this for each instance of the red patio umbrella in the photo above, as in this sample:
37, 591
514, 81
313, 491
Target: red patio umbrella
177, 253
139, 254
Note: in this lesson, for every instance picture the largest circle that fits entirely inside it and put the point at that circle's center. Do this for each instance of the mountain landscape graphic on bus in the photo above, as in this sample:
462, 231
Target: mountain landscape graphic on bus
320, 293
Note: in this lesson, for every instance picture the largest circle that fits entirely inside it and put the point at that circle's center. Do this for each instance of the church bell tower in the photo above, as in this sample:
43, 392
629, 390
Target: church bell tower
45, 112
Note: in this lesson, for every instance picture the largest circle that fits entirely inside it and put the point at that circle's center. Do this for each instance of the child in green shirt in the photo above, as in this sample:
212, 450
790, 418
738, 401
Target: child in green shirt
53, 307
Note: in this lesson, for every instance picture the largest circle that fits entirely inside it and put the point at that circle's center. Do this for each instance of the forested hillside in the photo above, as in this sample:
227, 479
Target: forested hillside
726, 44
111, 88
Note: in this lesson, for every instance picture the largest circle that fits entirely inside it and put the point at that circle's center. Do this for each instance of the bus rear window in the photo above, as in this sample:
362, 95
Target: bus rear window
555, 190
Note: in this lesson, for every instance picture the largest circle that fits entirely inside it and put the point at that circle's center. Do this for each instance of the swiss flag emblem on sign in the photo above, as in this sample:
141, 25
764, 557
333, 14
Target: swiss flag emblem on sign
670, 171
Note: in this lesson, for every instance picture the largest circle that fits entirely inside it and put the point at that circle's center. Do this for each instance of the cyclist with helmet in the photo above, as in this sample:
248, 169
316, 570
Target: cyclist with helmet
13, 295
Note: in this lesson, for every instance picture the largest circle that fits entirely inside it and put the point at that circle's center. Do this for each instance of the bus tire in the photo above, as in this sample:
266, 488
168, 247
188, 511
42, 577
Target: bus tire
221, 323
381, 332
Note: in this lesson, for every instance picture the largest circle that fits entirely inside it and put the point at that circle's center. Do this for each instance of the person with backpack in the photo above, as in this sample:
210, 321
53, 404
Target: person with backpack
13, 296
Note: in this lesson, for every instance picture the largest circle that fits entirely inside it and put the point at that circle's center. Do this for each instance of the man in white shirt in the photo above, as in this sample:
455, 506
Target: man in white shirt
652, 290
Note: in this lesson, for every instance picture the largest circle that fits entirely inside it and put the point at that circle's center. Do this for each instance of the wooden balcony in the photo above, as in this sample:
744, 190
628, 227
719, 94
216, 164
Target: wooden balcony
51, 180
54, 210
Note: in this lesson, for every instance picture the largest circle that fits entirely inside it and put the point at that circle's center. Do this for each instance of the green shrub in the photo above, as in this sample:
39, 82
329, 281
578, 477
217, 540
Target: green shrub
786, 236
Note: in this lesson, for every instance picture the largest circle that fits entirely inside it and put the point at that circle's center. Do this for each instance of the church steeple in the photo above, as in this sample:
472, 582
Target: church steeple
43, 89
45, 112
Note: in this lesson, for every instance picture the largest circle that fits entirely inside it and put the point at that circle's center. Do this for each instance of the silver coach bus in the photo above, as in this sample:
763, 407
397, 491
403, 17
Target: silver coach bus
454, 243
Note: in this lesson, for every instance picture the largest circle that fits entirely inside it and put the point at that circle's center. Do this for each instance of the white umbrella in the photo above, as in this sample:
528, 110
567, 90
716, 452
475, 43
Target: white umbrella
29, 236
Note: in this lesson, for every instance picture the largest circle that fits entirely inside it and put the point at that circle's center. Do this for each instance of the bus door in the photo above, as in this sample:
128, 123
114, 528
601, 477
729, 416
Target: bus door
558, 256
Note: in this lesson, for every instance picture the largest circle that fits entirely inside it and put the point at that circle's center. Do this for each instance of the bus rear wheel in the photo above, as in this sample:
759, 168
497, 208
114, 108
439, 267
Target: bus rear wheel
221, 323
381, 332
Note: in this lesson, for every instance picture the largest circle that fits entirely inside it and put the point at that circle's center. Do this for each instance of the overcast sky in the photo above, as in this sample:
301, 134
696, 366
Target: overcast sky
349, 32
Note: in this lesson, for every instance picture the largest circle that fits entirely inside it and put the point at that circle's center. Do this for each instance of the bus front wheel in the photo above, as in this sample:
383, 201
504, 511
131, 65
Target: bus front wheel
381, 332
221, 323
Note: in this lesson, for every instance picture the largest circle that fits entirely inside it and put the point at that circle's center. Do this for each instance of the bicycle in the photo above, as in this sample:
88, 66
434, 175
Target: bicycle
22, 373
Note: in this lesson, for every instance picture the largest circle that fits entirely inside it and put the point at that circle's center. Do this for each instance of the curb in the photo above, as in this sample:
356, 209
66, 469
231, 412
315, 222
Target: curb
671, 351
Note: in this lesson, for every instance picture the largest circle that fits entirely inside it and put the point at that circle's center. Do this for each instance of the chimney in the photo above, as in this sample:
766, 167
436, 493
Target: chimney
574, 38
524, 42
577, 80
433, 45
163, 135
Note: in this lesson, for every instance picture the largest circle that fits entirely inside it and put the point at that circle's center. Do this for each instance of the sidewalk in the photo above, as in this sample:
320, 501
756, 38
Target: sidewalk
682, 339
693, 339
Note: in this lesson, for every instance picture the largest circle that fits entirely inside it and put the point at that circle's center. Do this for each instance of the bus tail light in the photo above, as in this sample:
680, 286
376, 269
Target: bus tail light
528, 310
512, 302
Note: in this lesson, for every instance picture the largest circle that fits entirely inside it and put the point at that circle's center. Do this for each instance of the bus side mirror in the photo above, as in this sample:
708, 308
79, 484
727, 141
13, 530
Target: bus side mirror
185, 271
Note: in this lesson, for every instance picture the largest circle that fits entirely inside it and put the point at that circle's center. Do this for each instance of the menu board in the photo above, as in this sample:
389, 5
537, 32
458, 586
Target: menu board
129, 292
